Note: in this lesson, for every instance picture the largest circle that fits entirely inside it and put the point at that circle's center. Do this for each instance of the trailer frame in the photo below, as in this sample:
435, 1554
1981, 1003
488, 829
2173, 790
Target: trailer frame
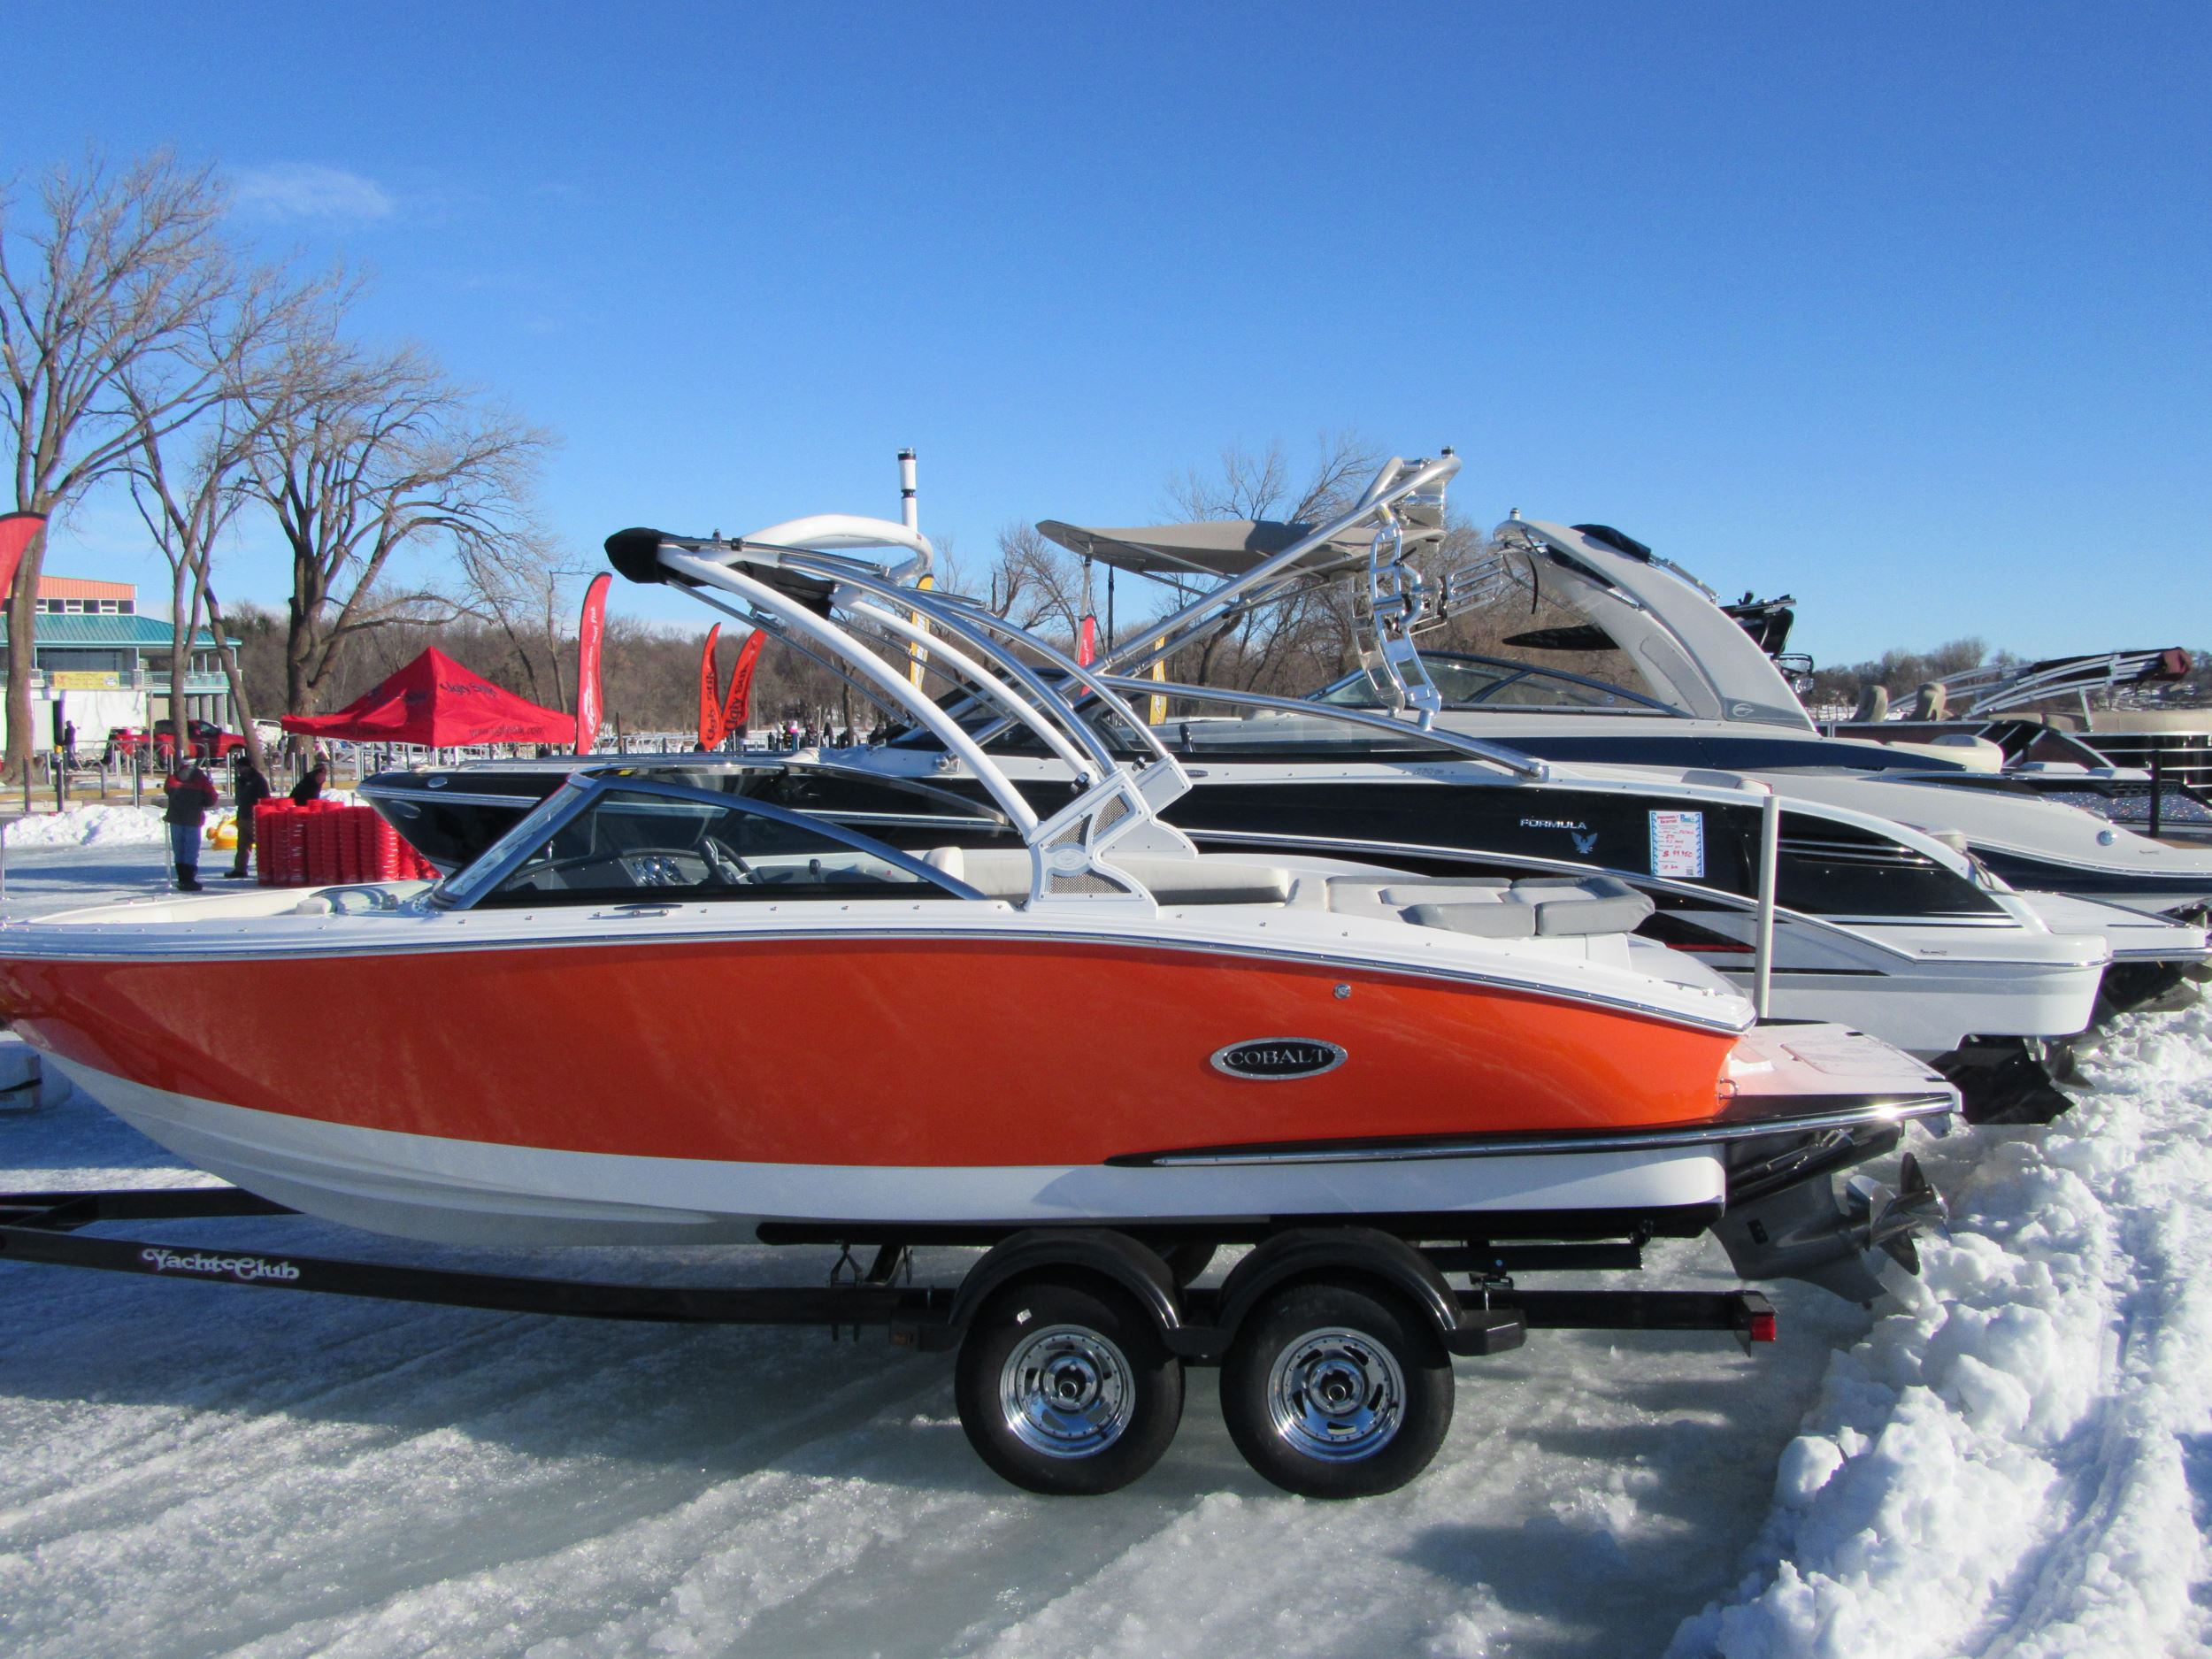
1489, 1317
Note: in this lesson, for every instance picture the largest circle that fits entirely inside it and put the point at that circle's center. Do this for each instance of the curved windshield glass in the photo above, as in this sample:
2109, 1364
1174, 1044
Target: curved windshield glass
1484, 682
627, 845
465, 883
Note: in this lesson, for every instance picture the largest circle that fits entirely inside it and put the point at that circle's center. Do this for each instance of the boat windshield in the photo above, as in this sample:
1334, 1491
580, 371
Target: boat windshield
1489, 682
462, 886
631, 843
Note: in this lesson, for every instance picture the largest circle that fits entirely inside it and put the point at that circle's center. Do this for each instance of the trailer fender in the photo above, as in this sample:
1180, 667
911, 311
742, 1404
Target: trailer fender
1364, 1252
1111, 1256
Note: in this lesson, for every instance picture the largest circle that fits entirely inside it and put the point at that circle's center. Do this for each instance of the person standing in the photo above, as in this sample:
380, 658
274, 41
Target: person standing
192, 794
310, 788
249, 789
69, 744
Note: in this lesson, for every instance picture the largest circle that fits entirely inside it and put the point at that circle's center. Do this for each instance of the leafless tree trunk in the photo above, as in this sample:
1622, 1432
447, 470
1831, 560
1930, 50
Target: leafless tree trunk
227, 652
118, 274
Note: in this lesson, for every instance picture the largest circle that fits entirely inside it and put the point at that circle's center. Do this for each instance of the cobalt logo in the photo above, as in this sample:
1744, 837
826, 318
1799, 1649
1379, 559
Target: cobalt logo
1278, 1059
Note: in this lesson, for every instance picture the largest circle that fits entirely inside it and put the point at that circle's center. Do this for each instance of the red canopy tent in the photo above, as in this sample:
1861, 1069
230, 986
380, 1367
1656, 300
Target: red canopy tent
437, 703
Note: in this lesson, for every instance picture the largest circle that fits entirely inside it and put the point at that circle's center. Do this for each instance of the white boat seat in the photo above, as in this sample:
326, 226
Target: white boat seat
1003, 873
1492, 908
1445, 890
1493, 920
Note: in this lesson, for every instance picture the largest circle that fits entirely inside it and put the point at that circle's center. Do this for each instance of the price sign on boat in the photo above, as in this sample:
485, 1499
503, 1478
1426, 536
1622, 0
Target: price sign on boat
1677, 845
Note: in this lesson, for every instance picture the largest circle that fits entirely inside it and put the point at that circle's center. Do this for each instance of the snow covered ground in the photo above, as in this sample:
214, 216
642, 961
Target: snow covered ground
2016, 1460
89, 824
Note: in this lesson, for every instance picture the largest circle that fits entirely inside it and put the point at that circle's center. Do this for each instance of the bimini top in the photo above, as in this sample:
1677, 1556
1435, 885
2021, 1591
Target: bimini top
1216, 549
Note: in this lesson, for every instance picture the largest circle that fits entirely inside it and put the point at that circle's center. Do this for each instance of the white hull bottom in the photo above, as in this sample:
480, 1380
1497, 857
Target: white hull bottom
465, 1192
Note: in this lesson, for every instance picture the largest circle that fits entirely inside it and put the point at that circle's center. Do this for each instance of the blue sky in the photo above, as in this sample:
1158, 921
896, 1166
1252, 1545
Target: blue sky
1904, 309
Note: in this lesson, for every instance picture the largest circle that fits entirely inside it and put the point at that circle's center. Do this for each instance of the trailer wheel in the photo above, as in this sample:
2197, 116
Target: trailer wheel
1065, 1388
1337, 1390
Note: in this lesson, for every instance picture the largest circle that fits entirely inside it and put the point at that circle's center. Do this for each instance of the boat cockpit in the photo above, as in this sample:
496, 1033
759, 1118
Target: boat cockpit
610, 839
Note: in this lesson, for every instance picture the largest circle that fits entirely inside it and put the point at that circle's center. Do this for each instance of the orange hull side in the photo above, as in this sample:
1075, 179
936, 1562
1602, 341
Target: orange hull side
927, 1052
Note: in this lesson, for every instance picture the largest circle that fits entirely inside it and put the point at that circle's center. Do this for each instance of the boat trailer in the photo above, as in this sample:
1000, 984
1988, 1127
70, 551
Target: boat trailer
1084, 1294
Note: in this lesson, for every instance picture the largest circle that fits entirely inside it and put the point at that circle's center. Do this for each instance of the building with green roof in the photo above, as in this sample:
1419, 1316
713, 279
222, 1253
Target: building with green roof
99, 664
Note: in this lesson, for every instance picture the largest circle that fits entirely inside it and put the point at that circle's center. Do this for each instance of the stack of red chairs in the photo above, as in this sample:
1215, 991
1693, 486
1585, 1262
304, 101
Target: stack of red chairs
280, 843
391, 858
322, 843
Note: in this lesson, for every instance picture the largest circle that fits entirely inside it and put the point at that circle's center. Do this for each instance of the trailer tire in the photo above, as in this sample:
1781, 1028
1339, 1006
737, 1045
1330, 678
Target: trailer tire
1337, 1388
1064, 1386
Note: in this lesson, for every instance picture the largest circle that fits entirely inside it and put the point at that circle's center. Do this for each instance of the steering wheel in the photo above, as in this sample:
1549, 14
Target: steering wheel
728, 865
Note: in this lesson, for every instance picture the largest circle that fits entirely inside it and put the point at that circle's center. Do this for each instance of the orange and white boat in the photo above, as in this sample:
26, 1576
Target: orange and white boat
660, 1013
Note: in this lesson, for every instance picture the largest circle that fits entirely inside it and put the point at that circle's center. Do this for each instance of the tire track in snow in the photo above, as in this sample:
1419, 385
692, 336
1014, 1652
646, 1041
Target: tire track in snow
2120, 1576
694, 1576
331, 1531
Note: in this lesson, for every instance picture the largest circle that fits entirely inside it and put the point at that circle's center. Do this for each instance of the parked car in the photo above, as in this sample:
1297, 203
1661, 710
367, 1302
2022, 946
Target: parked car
125, 742
209, 741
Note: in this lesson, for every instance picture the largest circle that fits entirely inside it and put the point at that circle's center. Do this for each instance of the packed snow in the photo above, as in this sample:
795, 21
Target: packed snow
89, 824
2013, 1458
2020, 1460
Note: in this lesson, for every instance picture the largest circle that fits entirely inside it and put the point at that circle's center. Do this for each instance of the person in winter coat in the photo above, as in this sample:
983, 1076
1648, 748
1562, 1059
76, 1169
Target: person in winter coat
310, 788
191, 794
249, 789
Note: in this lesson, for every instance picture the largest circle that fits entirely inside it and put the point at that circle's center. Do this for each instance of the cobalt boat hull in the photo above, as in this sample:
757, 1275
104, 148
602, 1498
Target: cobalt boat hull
585, 1093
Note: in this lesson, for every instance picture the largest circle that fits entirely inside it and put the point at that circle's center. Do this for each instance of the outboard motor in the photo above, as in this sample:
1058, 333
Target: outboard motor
1804, 1232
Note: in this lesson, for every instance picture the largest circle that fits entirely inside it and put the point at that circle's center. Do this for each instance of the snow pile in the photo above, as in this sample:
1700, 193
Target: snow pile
2005, 1466
89, 825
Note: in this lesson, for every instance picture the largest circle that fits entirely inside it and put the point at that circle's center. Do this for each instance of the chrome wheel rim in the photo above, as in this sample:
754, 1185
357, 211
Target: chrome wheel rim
1336, 1396
1066, 1391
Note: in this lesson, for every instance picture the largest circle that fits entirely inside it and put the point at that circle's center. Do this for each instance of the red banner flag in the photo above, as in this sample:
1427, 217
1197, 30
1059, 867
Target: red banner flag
16, 531
1086, 646
710, 693
737, 708
589, 633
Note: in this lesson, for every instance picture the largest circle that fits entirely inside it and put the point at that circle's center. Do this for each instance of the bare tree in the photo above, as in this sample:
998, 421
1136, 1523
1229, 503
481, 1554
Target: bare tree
520, 583
1035, 583
188, 481
1268, 486
185, 512
367, 455
118, 276
1281, 644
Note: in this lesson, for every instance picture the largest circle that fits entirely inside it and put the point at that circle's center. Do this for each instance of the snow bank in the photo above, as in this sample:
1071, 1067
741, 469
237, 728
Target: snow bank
89, 825
2003, 1468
